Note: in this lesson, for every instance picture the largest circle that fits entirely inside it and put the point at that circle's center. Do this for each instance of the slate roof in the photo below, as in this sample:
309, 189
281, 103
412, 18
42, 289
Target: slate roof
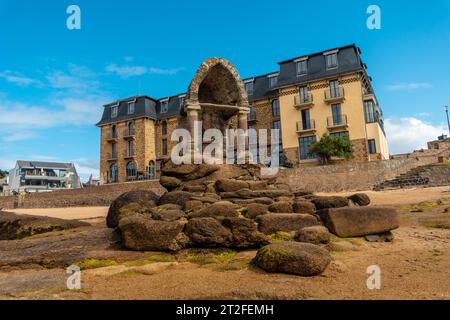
349, 61
43, 164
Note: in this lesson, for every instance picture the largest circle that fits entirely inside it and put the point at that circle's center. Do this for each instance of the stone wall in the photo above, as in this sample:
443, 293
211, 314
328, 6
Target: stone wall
349, 176
94, 196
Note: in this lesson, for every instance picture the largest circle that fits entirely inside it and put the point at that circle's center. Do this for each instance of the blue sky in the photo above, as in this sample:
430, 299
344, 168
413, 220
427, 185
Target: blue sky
54, 81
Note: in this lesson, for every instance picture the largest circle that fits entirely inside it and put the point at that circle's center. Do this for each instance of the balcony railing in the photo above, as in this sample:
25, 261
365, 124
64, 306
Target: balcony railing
129, 133
111, 137
308, 126
337, 121
303, 100
334, 94
112, 156
130, 154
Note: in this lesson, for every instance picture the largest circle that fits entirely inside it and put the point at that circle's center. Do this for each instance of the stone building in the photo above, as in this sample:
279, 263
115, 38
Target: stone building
328, 92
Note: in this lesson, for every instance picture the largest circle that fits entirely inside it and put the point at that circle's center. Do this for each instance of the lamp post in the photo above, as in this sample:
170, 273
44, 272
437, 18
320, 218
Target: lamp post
448, 121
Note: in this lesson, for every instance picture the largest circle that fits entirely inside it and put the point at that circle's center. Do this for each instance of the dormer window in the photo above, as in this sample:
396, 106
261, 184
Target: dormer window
331, 59
181, 100
249, 86
273, 80
114, 111
131, 106
301, 66
164, 106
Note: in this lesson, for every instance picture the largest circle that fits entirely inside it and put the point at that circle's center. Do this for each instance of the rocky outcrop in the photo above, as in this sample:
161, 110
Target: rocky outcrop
143, 234
314, 235
302, 259
208, 232
329, 202
14, 226
359, 221
360, 199
285, 222
144, 198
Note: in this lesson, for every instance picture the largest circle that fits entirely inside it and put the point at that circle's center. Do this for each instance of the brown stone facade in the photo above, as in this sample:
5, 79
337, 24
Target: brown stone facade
359, 150
134, 142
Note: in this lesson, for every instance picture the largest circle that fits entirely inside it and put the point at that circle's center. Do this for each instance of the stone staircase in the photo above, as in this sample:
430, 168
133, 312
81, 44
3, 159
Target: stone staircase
427, 176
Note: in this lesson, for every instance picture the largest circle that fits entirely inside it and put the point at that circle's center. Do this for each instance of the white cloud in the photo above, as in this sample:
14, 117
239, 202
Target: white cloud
126, 71
17, 78
409, 86
130, 71
19, 135
408, 134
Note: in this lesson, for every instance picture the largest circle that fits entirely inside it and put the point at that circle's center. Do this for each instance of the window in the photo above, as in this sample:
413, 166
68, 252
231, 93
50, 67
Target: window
131, 130
306, 120
164, 128
113, 151
334, 89
249, 87
113, 173
304, 94
131, 106
252, 115
339, 134
113, 132
130, 148
276, 125
251, 126
181, 101
151, 170
276, 108
304, 143
273, 80
302, 67
372, 146
131, 169
331, 60
114, 110
164, 106
369, 111
336, 110
164, 147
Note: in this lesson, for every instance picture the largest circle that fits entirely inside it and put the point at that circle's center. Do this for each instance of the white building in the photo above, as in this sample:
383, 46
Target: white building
38, 176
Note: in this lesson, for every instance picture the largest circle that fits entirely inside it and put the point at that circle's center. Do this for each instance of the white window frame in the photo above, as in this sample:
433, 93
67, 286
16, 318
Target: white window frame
131, 103
297, 63
164, 102
114, 111
330, 53
272, 76
246, 82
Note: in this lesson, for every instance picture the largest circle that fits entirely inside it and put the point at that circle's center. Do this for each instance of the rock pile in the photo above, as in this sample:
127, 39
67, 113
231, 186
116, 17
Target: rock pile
234, 207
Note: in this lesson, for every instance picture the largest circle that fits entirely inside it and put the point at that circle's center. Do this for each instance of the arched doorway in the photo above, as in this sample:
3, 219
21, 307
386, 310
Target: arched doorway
113, 173
131, 170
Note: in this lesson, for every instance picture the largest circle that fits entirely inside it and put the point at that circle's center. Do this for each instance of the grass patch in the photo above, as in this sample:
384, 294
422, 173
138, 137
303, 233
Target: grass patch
436, 253
95, 263
281, 236
437, 225
203, 258
151, 259
423, 206
134, 272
